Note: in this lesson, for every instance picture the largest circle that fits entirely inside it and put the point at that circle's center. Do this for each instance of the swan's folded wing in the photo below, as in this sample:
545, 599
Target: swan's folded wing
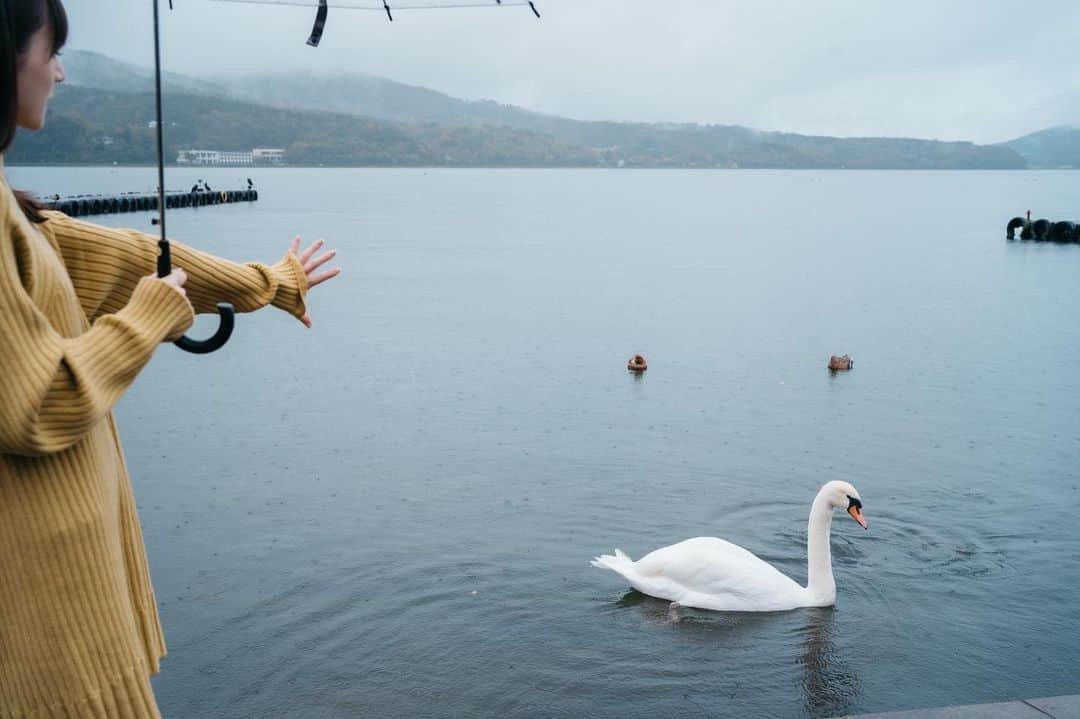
725, 572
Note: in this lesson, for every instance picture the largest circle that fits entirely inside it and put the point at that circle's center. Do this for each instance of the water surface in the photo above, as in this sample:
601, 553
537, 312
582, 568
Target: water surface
392, 514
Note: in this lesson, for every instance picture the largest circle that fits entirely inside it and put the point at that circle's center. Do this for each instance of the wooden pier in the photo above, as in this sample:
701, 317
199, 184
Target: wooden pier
86, 205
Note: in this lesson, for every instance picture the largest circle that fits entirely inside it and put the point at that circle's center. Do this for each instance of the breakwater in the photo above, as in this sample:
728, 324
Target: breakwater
1043, 230
86, 205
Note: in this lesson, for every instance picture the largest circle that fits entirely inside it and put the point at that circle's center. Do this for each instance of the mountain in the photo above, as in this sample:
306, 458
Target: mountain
1056, 147
356, 113
636, 144
94, 126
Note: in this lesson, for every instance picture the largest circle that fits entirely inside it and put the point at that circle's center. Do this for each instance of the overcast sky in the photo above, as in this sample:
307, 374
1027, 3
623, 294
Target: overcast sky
986, 70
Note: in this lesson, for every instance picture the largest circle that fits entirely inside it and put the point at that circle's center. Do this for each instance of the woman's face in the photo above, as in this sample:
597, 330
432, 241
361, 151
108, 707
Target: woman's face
37, 71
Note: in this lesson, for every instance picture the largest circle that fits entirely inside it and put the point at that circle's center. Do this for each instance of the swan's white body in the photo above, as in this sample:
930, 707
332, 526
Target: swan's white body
710, 573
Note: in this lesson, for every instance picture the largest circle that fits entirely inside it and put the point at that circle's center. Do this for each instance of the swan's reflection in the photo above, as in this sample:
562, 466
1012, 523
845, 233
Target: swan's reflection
831, 686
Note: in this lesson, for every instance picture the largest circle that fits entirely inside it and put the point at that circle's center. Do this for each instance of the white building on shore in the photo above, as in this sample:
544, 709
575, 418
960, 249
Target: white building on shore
222, 158
268, 156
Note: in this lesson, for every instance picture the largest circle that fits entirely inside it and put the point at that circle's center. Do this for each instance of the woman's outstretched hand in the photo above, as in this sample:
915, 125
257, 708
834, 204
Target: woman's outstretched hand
311, 263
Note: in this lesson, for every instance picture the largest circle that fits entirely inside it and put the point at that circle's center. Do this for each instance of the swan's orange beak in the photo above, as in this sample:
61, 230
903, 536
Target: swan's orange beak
856, 514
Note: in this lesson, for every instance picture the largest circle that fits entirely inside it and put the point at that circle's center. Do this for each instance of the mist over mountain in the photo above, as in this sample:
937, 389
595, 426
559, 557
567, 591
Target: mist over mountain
358, 94
91, 69
342, 119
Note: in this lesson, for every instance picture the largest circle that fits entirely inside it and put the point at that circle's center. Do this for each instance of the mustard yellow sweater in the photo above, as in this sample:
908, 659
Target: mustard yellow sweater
79, 628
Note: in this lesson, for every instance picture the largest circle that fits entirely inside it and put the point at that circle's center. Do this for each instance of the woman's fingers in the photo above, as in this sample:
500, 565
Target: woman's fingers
306, 255
176, 279
323, 277
310, 251
320, 260
310, 265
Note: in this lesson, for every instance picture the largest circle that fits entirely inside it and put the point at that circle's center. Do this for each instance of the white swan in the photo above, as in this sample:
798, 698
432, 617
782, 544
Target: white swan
709, 573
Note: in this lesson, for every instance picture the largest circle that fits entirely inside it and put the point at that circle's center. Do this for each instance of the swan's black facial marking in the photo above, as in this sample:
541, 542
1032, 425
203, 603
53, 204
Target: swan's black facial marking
852, 502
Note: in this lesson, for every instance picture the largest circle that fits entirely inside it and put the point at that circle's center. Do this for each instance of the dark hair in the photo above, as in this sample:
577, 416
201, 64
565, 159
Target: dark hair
19, 20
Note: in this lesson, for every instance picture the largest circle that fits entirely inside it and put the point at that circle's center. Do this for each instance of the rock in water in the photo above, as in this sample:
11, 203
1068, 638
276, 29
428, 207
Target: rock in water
840, 363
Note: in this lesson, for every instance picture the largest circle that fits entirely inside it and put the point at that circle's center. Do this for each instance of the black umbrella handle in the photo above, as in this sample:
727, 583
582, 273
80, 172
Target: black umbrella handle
219, 338
164, 264
225, 311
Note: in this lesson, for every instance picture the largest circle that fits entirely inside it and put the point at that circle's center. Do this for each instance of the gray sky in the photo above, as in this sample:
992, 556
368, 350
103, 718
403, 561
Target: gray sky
985, 70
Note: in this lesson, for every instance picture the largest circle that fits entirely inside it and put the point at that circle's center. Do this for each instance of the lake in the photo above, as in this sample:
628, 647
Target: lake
392, 514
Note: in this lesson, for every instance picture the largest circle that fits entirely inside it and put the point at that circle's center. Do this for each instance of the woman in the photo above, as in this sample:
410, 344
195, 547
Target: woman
81, 312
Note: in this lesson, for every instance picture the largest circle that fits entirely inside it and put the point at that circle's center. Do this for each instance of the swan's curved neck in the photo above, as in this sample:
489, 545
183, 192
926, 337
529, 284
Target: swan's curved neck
819, 574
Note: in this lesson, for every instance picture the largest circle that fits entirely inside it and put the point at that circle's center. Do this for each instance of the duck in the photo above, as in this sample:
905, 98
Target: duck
712, 573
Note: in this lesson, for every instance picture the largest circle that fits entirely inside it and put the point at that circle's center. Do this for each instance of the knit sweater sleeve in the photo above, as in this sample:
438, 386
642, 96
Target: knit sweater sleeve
105, 264
56, 388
